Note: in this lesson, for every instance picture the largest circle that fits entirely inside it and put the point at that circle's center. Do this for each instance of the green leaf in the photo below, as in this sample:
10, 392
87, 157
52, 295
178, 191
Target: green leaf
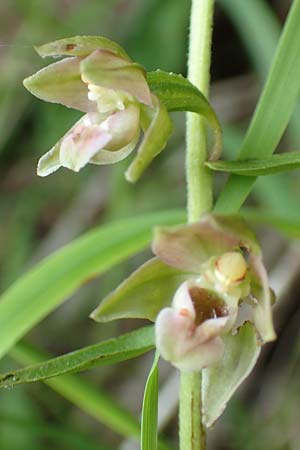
142, 295
52, 281
150, 409
220, 382
272, 113
115, 350
154, 141
179, 94
79, 46
258, 167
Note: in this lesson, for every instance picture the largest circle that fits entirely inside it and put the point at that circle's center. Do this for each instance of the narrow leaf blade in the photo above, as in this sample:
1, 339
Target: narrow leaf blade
150, 409
115, 350
273, 111
89, 398
259, 167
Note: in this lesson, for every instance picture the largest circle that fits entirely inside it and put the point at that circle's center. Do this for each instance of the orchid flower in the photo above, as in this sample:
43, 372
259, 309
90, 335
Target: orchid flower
100, 79
224, 269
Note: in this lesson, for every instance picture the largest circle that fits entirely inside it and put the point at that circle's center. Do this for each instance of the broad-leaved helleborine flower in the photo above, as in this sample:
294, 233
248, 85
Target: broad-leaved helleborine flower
224, 265
100, 79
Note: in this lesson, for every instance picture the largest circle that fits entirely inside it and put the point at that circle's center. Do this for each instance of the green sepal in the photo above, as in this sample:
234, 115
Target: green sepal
79, 46
179, 94
143, 294
49, 162
188, 247
220, 382
61, 82
154, 141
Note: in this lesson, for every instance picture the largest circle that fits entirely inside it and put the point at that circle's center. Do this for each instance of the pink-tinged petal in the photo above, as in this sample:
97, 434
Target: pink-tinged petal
81, 144
80, 46
104, 68
187, 247
182, 301
50, 162
61, 83
211, 328
124, 128
123, 125
178, 343
206, 355
109, 157
172, 333
158, 131
262, 310
188, 333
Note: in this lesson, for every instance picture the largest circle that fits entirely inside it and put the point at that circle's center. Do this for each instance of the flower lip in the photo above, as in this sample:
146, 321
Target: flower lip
188, 334
207, 304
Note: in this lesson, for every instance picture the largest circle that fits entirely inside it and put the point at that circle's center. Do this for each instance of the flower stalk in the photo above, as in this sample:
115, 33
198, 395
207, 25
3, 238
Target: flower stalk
199, 201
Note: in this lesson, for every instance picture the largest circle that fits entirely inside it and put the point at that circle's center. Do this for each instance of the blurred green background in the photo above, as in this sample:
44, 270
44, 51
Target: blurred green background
39, 215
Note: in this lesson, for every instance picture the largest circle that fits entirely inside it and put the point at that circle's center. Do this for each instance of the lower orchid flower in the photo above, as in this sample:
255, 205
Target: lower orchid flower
204, 308
203, 276
207, 292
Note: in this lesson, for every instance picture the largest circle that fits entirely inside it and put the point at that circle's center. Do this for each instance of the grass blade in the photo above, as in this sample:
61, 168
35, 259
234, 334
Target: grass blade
88, 398
150, 405
289, 226
85, 396
272, 113
52, 281
60, 435
127, 346
258, 167
254, 19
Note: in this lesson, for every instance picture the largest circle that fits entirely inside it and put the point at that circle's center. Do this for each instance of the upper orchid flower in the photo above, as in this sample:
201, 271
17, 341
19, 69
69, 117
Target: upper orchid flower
223, 267
100, 79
